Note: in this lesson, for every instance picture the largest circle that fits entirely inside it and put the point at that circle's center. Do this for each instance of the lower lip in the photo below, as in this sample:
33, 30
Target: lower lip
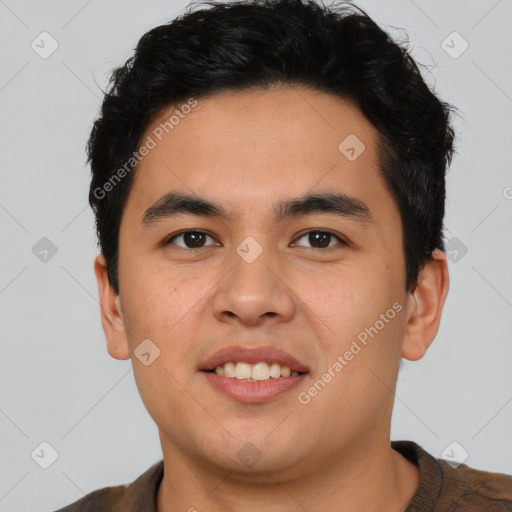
253, 392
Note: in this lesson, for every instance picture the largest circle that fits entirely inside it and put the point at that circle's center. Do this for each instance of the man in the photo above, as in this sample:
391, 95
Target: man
268, 184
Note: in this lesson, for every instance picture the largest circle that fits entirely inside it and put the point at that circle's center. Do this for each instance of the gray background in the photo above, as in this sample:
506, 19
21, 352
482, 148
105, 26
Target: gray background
58, 383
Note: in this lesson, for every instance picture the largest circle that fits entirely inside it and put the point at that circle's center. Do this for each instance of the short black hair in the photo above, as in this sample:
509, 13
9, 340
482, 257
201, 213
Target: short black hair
256, 44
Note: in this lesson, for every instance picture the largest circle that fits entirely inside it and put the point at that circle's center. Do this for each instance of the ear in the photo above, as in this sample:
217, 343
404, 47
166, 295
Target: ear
112, 318
425, 306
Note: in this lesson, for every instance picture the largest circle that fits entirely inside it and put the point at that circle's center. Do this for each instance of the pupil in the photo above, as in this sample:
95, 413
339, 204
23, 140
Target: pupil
316, 237
191, 238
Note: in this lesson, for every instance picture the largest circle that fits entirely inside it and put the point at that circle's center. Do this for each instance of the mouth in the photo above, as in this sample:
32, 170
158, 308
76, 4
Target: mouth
261, 371
253, 375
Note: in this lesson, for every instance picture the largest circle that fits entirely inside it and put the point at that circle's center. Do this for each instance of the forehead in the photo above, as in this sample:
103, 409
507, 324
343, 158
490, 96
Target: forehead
252, 147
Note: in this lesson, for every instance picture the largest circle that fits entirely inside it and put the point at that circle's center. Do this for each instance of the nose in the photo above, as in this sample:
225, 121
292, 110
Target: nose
255, 290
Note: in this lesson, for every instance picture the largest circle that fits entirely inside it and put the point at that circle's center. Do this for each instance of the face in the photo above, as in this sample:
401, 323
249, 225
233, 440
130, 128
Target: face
325, 285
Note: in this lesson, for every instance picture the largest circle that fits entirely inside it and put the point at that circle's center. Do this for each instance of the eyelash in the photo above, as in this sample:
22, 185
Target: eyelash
186, 249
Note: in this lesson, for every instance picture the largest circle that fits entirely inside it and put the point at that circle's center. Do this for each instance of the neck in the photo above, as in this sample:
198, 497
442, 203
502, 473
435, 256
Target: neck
370, 477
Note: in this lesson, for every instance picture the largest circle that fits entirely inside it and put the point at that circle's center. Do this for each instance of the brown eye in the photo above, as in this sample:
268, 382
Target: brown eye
191, 239
321, 239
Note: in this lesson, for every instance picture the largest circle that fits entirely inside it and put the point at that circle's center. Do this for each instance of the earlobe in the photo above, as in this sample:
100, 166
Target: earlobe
112, 318
425, 306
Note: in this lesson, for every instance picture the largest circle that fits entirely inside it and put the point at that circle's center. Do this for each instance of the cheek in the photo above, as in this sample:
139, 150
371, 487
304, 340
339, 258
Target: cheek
167, 312
151, 305
143, 304
163, 394
358, 304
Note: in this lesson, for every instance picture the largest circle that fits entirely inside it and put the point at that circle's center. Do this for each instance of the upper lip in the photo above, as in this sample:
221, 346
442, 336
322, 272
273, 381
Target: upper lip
267, 354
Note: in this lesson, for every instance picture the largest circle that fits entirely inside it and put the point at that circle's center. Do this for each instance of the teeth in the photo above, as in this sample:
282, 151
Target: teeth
229, 370
256, 372
260, 371
243, 371
275, 370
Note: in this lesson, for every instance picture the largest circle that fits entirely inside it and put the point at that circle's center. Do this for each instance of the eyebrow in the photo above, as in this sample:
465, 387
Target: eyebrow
173, 204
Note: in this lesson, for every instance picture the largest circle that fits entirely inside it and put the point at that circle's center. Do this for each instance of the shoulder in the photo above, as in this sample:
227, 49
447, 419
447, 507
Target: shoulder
140, 495
446, 486
98, 501
467, 489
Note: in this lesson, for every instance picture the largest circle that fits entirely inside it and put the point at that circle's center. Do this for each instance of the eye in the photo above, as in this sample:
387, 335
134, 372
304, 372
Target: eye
191, 239
194, 240
321, 238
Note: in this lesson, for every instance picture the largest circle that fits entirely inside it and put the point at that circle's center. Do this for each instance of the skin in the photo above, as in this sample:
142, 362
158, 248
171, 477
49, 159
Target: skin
248, 150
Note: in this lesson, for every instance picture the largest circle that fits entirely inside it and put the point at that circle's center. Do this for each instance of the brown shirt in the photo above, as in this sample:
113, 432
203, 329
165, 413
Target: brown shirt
442, 488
